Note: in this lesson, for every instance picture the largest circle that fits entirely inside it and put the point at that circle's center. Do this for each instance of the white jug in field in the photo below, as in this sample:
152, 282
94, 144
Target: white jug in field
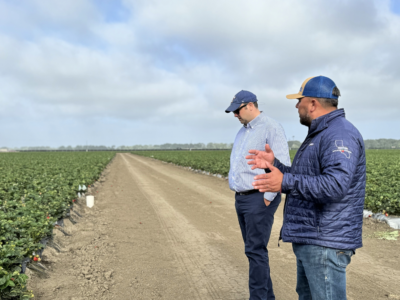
90, 201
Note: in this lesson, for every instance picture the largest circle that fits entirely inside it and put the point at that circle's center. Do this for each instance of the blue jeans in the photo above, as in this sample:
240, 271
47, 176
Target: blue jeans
321, 272
256, 219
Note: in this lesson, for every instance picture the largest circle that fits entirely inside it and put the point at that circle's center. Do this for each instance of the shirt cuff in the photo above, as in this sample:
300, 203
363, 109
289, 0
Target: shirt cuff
270, 196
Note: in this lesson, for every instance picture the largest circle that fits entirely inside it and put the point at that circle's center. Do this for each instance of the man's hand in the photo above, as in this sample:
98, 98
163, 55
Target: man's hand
260, 158
267, 202
269, 182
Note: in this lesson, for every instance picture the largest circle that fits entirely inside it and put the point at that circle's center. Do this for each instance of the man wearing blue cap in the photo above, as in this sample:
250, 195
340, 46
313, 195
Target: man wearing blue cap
255, 210
325, 191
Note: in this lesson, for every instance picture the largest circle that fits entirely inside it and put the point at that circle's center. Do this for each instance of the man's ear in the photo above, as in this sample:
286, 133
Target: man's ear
313, 105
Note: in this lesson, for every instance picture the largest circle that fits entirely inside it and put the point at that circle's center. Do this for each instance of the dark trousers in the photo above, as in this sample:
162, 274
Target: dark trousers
256, 219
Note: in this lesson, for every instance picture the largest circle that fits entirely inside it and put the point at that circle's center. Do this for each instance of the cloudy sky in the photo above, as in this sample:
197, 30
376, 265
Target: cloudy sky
127, 72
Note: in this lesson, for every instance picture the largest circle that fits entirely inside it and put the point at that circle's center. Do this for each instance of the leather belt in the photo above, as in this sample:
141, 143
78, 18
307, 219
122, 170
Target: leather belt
247, 192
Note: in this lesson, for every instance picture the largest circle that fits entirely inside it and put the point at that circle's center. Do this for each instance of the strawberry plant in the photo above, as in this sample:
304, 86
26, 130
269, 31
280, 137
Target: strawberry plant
37, 189
13, 284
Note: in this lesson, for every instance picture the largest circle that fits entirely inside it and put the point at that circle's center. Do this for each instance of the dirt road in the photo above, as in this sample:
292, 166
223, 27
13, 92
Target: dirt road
159, 231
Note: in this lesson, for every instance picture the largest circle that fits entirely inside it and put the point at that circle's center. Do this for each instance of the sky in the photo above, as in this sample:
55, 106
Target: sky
129, 72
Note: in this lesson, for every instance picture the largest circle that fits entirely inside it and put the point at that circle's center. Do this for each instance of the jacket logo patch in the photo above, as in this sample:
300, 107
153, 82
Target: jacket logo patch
312, 144
342, 149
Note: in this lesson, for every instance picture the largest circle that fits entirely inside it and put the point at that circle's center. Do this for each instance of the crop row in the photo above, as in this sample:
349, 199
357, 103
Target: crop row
36, 190
383, 172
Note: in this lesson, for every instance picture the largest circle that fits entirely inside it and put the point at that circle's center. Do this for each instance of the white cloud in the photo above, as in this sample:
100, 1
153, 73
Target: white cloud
171, 69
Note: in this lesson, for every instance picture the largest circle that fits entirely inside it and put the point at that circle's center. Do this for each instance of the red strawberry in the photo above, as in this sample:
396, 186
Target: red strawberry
48, 217
35, 258
386, 214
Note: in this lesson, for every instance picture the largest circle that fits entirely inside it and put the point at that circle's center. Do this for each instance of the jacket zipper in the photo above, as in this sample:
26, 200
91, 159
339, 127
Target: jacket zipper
284, 209
300, 152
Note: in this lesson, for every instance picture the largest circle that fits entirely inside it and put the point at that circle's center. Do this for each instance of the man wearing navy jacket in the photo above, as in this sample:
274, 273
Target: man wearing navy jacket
325, 191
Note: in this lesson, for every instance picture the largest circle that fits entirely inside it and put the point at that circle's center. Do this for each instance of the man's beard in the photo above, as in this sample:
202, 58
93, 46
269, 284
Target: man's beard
305, 120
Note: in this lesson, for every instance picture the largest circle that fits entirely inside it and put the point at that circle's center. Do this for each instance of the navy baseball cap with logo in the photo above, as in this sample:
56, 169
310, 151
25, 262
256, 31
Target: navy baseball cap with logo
318, 86
241, 97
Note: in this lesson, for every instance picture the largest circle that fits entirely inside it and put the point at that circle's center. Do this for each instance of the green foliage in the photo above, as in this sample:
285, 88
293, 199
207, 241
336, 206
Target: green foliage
216, 162
36, 189
13, 284
383, 172
383, 181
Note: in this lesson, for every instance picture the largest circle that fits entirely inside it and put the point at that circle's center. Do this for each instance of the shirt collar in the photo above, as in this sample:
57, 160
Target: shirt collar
254, 122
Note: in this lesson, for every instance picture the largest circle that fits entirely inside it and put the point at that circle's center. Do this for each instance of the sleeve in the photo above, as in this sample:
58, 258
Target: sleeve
277, 141
284, 169
338, 159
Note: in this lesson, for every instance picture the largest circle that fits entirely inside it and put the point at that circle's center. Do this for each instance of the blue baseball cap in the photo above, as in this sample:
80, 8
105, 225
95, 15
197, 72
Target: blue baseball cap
318, 86
241, 97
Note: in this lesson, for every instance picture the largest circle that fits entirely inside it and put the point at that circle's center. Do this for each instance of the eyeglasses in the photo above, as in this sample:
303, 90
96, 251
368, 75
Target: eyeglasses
236, 112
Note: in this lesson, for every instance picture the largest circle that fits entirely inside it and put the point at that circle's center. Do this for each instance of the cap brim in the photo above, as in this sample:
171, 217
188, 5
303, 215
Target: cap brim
294, 96
232, 107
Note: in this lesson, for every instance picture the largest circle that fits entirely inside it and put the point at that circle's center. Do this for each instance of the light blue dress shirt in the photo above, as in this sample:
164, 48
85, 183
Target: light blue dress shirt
260, 131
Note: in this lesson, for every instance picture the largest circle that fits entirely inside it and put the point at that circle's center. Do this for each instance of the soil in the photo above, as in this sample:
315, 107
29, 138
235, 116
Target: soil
159, 231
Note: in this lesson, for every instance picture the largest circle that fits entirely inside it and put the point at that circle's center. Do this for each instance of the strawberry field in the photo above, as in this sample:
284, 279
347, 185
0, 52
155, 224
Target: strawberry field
383, 181
216, 162
36, 191
383, 172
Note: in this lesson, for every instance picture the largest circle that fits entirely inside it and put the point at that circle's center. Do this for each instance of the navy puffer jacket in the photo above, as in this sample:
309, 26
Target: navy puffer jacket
325, 186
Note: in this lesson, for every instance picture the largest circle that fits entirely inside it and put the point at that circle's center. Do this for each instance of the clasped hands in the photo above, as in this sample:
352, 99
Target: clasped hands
268, 182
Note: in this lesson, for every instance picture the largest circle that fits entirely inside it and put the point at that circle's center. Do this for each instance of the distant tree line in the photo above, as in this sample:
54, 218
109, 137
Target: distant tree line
134, 147
382, 144
294, 145
182, 146
369, 144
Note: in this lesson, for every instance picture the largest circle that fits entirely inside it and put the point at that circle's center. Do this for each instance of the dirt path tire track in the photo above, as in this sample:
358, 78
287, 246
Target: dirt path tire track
205, 267
209, 205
